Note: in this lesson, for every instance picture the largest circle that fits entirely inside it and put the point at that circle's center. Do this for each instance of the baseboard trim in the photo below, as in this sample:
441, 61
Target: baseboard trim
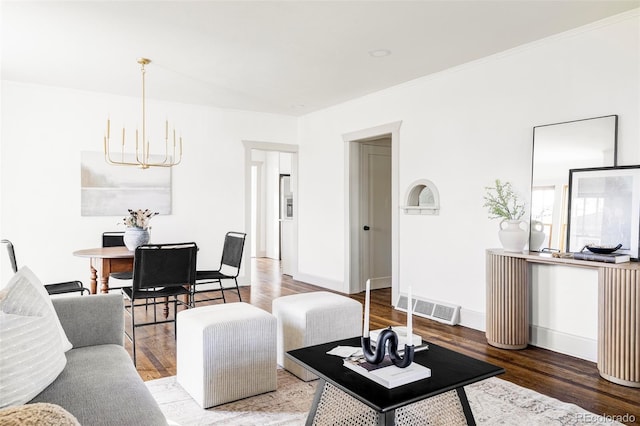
564, 343
320, 282
378, 283
473, 319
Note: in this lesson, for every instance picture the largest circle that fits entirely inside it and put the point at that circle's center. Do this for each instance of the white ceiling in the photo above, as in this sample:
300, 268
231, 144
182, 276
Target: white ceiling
289, 57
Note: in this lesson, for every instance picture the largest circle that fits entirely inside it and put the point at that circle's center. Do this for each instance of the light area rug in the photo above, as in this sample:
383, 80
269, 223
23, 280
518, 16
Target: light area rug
493, 402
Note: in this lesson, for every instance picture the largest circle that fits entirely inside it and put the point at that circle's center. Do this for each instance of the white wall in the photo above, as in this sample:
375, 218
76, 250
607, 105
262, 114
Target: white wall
44, 129
461, 129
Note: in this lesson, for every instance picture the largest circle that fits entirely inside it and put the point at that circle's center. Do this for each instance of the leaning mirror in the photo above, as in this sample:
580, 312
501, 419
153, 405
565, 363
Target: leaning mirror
557, 148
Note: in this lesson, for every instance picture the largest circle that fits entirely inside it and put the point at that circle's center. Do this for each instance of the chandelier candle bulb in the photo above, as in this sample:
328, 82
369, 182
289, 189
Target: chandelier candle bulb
367, 301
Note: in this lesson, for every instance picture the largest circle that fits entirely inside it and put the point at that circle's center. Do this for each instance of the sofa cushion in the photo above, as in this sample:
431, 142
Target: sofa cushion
31, 351
100, 386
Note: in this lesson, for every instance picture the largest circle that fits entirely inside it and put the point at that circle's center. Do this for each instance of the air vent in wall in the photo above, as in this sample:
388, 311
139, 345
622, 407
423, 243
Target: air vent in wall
438, 311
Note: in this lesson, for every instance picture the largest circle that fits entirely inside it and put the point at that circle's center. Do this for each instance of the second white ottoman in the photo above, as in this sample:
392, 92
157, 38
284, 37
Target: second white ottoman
310, 319
226, 352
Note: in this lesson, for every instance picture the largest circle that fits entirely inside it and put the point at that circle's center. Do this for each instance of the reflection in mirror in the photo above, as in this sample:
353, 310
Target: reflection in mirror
556, 149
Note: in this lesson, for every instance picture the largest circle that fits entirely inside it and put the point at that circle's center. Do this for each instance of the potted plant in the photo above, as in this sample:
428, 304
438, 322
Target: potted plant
137, 223
503, 203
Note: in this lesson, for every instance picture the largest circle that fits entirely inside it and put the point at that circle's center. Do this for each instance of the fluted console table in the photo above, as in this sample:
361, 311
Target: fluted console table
508, 276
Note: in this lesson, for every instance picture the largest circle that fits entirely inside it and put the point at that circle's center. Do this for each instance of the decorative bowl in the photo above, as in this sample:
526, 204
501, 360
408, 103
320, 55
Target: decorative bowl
603, 249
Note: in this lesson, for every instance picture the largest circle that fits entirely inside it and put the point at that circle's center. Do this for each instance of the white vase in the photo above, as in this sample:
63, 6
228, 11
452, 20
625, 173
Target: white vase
537, 236
513, 235
134, 237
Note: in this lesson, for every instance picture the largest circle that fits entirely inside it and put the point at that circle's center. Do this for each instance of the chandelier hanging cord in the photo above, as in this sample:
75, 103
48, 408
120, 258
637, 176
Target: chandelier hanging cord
142, 158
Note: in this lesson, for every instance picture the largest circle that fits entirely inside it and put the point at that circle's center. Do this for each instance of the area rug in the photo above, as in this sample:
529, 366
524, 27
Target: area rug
493, 402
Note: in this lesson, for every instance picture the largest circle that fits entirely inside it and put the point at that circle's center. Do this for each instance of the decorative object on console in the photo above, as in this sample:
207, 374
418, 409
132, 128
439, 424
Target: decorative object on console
387, 337
604, 208
602, 257
142, 159
504, 203
137, 232
601, 249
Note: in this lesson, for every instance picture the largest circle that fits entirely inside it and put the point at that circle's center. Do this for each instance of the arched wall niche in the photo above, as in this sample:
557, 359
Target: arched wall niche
422, 198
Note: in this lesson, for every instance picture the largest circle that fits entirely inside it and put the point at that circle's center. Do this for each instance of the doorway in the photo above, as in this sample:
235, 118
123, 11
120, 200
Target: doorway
270, 197
372, 254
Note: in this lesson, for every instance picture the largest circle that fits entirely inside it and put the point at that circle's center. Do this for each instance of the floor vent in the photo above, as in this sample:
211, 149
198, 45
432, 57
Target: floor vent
438, 311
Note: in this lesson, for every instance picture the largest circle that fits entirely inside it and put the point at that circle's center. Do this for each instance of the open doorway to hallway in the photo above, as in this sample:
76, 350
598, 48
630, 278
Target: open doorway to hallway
271, 197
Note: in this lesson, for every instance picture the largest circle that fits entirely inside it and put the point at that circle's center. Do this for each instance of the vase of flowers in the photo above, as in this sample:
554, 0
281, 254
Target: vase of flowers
137, 232
503, 203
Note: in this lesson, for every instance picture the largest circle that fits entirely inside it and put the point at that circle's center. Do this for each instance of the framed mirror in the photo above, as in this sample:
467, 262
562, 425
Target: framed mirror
558, 148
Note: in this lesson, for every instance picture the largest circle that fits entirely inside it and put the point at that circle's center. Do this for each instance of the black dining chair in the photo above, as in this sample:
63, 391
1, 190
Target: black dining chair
54, 288
116, 239
160, 271
229, 269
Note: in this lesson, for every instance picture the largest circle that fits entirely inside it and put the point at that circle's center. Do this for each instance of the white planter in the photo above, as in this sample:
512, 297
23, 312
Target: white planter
513, 235
134, 237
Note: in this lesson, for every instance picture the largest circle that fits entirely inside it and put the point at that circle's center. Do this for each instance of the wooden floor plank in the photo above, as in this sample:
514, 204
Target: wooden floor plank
560, 376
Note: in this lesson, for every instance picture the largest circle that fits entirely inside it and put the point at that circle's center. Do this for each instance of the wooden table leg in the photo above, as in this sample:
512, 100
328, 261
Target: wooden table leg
105, 271
93, 280
165, 309
104, 281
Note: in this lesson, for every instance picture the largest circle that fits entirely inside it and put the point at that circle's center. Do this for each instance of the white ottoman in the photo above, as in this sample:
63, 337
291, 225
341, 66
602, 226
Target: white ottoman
310, 319
226, 352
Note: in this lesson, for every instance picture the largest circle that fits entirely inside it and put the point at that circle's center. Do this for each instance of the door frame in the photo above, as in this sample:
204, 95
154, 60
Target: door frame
268, 146
352, 151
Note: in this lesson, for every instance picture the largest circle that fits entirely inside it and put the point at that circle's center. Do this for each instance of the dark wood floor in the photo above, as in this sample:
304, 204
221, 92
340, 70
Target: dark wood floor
563, 377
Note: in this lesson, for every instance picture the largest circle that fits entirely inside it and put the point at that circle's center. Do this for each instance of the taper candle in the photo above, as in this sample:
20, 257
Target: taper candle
367, 301
409, 318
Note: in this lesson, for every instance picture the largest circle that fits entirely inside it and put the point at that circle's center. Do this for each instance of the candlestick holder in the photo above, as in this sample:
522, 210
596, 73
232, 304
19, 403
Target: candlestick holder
387, 336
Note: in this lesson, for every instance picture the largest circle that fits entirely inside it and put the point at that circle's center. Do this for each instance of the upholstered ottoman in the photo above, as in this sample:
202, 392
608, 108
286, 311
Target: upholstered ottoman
310, 319
226, 352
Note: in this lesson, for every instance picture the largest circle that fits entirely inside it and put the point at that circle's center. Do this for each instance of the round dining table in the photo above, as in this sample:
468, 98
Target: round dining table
105, 260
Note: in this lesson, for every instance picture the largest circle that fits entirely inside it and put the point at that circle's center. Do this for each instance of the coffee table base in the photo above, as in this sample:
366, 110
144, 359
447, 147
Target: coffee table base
333, 406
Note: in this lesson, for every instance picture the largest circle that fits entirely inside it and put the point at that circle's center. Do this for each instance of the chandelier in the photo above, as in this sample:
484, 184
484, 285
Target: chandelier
142, 154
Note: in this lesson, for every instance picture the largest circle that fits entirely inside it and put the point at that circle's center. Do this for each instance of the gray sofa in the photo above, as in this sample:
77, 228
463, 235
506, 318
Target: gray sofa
99, 385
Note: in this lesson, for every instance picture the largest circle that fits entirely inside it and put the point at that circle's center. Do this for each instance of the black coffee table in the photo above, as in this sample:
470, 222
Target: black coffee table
450, 371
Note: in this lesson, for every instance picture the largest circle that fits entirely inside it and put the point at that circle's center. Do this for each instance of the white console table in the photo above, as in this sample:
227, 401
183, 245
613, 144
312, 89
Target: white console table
508, 289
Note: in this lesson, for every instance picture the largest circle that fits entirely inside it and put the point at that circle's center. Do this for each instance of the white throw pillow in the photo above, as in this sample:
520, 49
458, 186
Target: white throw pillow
31, 357
25, 288
31, 347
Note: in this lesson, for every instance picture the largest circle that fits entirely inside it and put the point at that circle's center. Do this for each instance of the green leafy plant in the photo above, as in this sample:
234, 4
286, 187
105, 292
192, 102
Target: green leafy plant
503, 202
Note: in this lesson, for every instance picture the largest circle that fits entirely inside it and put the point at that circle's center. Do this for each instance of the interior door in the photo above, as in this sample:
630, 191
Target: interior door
375, 208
